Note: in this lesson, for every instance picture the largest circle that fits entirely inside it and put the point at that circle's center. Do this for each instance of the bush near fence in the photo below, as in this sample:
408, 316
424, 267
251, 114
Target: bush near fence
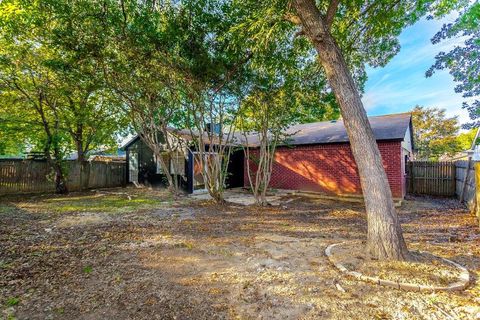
29, 176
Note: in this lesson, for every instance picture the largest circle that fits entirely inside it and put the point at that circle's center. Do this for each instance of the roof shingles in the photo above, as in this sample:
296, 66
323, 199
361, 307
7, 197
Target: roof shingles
387, 127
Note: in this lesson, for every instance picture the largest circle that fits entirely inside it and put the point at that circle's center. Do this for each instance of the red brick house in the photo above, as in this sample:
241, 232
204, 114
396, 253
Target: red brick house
318, 157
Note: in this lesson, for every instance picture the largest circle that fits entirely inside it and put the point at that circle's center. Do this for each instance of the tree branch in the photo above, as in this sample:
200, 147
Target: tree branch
331, 11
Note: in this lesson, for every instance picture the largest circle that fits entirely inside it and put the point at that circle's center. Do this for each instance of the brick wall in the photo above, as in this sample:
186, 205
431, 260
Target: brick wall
330, 168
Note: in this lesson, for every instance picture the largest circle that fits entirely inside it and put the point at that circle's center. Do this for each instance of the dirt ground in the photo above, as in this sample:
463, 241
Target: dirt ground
139, 254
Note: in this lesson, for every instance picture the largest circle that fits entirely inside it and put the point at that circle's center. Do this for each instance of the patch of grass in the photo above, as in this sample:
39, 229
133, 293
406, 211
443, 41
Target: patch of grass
5, 265
87, 269
59, 310
225, 252
110, 204
7, 208
13, 301
96, 203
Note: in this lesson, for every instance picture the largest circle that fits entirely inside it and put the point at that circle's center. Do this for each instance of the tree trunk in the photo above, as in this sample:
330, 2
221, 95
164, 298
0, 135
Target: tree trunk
384, 239
60, 183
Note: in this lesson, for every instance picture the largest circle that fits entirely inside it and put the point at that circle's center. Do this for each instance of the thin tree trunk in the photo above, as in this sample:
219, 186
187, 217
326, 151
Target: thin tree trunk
384, 239
60, 183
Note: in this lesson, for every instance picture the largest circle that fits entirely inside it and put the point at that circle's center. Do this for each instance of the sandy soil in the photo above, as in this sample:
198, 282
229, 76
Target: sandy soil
421, 268
185, 259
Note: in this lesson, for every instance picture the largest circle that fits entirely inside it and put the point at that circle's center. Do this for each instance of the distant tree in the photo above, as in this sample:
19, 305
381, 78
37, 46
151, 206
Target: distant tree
435, 134
263, 120
51, 80
465, 139
28, 100
463, 61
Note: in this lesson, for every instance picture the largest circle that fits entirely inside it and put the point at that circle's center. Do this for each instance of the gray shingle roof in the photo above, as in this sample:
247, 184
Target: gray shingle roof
387, 127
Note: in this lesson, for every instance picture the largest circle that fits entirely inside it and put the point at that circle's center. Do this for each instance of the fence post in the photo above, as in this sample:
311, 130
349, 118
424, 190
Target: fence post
476, 209
454, 175
412, 177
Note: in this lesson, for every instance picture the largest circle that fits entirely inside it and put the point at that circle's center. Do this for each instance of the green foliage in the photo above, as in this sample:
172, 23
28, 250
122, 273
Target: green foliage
51, 76
366, 31
435, 134
465, 139
463, 61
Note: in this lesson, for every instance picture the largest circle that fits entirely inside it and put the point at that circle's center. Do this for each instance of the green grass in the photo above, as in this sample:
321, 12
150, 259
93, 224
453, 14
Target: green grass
7, 208
107, 204
13, 301
87, 269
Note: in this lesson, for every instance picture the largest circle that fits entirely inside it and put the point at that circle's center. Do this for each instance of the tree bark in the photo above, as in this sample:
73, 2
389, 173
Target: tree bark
55, 163
385, 239
60, 185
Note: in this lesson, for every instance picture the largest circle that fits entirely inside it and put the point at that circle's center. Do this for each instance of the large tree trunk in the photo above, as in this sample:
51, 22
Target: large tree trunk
384, 239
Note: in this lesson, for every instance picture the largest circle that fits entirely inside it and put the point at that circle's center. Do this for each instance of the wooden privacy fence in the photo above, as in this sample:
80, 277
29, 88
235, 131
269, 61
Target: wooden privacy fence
431, 178
467, 187
25, 176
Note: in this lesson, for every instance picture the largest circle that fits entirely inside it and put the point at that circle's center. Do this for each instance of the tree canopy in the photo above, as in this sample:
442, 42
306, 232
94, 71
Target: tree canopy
51, 79
463, 62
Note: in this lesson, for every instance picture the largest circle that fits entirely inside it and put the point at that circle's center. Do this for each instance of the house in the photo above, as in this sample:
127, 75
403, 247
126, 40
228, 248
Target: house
143, 168
316, 158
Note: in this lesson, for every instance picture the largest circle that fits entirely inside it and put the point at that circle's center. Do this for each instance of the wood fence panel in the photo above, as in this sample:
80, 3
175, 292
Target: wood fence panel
31, 176
461, 172
431, 178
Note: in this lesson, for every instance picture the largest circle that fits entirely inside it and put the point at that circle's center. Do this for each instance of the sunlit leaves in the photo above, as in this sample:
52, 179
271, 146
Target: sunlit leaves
463, 61
435, 134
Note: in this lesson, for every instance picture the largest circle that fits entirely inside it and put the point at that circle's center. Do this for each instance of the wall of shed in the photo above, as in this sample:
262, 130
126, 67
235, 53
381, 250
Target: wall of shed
407, 154
147, 167
330, 169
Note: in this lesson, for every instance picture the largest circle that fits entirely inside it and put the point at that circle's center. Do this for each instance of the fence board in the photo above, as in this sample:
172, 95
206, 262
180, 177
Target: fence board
29, 176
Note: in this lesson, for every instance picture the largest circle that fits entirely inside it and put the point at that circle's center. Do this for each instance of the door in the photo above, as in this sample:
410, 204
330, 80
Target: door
133, 167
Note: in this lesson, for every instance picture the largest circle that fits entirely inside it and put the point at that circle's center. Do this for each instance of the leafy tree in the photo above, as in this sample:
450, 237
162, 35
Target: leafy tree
463, 61
263, 120
146, 72
284, 89
26, 90
51, 79
435, 134
345, 36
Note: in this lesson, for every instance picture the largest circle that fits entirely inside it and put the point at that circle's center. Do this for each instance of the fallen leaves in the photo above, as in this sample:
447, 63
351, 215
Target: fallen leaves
187, 259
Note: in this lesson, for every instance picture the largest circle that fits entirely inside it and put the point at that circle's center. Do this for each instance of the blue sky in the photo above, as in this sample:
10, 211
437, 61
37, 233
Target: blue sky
402, 84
